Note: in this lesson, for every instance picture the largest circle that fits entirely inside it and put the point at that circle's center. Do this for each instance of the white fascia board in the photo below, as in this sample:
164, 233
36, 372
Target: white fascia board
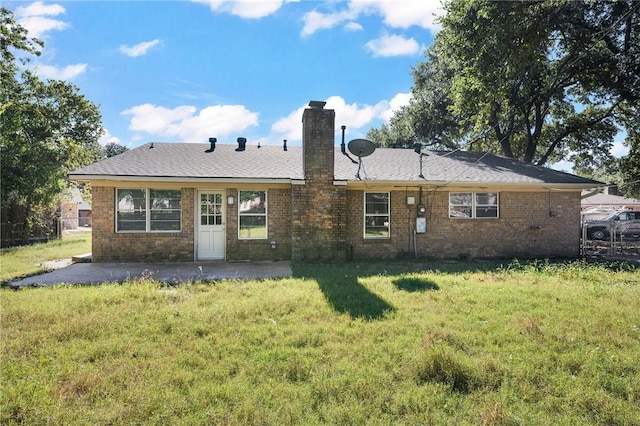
528, 185
500, 186
82, 178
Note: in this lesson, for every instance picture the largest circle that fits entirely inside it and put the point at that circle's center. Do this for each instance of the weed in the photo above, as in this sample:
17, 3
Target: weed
361, 343
448, 368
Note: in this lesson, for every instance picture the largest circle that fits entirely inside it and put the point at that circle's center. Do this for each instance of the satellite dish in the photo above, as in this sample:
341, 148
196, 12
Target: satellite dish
361, 147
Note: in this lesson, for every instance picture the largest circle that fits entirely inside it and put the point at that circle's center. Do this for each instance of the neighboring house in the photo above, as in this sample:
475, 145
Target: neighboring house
599, 204
74, 211
319, 202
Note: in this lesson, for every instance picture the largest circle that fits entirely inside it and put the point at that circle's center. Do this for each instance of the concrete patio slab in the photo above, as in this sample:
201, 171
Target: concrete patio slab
173, 273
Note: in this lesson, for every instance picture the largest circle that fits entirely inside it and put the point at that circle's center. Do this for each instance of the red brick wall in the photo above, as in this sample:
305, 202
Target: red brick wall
278, 228
109, 246
318, 213
539, 224
530, 225
318, 222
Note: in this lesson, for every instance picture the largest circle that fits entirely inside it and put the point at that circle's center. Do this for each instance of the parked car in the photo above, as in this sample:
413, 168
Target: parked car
595, 213
626, 224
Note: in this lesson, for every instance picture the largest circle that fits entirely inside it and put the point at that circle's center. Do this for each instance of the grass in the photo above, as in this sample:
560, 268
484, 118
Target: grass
360, 343
17, 262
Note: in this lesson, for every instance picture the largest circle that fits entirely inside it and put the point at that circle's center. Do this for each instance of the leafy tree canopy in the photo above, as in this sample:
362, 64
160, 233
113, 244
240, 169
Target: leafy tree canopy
540, 81
46, 129
114, 148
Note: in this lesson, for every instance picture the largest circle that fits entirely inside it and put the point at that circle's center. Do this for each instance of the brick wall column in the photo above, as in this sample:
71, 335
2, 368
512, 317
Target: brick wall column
318, 207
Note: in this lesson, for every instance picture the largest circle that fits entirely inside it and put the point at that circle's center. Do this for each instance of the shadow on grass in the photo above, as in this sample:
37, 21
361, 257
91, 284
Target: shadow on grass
340, 286
344, 293
413, 284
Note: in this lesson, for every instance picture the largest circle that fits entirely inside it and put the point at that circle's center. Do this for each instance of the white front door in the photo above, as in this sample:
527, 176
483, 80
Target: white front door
210, 226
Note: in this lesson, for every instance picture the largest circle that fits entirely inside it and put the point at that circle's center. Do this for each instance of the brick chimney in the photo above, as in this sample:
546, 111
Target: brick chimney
318, 128
318, 206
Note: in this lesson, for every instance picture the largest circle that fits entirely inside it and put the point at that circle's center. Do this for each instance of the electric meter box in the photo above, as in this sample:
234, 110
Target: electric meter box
421, 225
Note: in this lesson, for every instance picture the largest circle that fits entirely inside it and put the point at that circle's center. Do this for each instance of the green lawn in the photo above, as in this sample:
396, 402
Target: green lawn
23, 261
357, 343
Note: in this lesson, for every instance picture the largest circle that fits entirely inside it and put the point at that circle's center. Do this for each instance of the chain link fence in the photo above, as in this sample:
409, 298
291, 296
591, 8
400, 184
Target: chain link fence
618, 238
12, 235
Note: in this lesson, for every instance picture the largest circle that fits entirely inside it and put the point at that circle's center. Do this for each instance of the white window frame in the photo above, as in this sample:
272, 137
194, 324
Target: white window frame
265, 215
147, 211
368, 217
475, 205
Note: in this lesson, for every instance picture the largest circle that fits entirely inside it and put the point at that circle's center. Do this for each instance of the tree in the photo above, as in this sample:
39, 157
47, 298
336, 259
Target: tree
539, 81
46, 129
114, 148
630, 168
393, 135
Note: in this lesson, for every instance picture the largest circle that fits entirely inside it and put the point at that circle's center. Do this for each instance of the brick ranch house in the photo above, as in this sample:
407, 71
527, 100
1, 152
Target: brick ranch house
320, 202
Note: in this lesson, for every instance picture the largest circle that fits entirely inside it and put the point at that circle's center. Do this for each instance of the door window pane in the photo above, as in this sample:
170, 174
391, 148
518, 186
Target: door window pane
210, 209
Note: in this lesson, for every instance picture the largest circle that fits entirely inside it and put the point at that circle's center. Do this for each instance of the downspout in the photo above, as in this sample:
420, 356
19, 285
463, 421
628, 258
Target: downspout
594, 192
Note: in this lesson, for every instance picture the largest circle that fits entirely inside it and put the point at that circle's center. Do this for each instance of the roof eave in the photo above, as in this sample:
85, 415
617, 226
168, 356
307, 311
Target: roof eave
443, 185
185, 179
351, 183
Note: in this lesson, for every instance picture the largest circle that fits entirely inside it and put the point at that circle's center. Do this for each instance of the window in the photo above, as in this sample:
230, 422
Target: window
465, 205
131, 210
252, 215
376, 215
165, 210
148, 210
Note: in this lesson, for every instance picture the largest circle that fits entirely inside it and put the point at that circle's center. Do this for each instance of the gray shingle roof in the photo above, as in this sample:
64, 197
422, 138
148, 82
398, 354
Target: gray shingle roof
186, 160
189, 160
609, 199
457, 166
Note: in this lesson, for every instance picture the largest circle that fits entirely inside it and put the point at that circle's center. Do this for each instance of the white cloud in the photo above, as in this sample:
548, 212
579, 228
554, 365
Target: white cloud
54, 73
138, 49
395, 14
403, 14
290, 127
254, 10
155, 119
358, 118
315, 21
393, 45
39, 25
38, 8
248, 9
34, 18
355, 116
619, 149
188, 124
398, 101
108, 138
353, 26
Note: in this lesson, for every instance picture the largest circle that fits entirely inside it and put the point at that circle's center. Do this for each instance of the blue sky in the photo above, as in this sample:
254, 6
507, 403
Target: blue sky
184, 71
